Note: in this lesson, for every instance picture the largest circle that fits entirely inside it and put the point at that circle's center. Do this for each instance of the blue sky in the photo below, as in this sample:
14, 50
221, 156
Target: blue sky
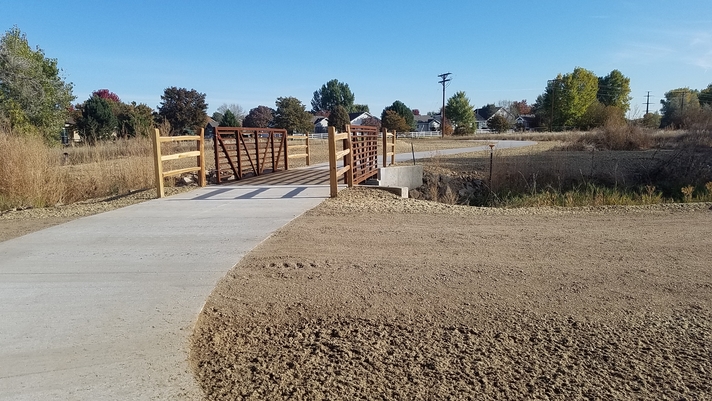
251, 52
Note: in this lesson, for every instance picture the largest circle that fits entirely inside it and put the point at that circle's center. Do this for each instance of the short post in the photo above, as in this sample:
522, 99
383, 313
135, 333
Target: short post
158, 163
491, 145
308, 150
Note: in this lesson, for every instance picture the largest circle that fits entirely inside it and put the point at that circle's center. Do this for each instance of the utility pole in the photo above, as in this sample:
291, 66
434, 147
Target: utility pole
443, 80
553, 99
647, 104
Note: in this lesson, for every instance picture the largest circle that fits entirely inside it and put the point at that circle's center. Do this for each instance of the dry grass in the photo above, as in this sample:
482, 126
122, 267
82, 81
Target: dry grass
29, 174
546, 175
34, 174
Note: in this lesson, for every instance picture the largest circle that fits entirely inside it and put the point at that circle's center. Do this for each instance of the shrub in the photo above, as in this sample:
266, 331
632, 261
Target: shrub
618, 137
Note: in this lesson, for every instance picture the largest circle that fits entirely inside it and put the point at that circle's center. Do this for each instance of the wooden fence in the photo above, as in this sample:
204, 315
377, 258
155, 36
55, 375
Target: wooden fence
357, 150
159, 158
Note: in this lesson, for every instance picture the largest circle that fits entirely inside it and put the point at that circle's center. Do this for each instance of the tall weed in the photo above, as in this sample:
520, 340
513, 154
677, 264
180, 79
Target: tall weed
29, 174
35, 174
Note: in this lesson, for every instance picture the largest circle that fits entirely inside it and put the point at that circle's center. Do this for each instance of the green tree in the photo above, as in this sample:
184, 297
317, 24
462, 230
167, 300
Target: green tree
331, 94
460, 113
677, 104
339, 117
98, 120
217, 116
651, 120
614, 90
705, 96
259, 117
404, 111
34, 98
499, 124
393, 121
228, 120
134, 120
184, 109
360, 108
291, 114
567, 98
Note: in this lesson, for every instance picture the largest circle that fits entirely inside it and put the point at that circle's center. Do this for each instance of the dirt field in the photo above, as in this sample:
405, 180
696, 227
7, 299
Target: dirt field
372, 297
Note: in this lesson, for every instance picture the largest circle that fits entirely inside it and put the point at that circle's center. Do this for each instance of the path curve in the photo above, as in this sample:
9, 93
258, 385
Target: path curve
103, 307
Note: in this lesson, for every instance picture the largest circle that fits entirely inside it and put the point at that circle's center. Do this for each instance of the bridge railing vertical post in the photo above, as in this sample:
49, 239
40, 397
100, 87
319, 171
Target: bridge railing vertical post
349, 157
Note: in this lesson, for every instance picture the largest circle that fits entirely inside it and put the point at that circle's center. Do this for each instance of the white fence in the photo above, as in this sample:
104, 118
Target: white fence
415, 134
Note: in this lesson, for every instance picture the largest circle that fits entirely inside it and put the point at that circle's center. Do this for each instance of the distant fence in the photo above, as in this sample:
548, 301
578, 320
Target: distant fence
159, 158
420, 134
414, 134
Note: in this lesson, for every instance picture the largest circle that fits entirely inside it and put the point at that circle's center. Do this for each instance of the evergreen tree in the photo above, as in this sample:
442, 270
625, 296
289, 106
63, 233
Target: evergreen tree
229, 120
292, 115
98, 120
339, 117
332, 94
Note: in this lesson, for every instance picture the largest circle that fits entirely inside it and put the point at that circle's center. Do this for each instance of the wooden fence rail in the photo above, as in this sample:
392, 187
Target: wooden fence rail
159, 158
304, 148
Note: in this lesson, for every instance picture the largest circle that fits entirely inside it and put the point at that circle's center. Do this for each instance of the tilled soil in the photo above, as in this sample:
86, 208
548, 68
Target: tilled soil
372, 297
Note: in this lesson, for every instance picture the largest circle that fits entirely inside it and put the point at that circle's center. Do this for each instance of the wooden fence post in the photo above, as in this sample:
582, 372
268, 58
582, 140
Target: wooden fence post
158, 163
333, 178
202, 178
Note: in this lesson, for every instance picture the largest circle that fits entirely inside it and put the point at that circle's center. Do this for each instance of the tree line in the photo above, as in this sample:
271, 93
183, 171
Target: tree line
36, 100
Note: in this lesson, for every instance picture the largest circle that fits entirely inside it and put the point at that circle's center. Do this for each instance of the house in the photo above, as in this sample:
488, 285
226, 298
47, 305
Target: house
424, 123
70, 134
321, 124
525, 122
501, 111
210, 128
358, 118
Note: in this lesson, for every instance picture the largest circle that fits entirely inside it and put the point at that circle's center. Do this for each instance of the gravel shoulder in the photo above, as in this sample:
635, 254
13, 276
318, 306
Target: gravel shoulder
372, 297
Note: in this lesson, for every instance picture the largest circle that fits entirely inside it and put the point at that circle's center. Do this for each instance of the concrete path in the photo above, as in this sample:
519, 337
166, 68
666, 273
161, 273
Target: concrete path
102, 308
